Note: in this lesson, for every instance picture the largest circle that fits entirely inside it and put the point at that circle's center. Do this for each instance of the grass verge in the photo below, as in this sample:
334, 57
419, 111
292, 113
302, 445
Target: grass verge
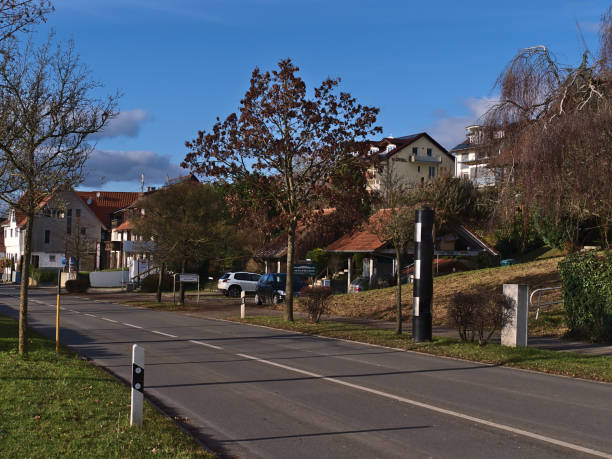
62, 406
598, 368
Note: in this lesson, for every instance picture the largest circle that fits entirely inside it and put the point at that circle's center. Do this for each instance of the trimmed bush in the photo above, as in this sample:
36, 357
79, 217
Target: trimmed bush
315, 301
587, 295
149, 283
77, 285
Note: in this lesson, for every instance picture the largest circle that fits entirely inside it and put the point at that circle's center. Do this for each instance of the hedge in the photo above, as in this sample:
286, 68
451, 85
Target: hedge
587, 294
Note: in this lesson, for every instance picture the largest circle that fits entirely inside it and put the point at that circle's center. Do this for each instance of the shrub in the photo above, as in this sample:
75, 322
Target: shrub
478, 315
587, 295
77, 285
315, 301
149, 283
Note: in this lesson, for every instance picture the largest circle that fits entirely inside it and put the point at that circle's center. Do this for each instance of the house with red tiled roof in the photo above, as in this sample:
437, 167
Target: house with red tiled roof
70, 224
413, 159
379, 256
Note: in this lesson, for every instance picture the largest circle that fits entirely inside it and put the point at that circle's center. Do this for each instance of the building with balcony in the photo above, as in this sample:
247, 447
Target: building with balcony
473, 155
412, 159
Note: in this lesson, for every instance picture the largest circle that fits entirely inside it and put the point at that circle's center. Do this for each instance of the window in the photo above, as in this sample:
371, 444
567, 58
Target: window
52, 258
418, 168
78, 213
429, 151
242, 276
432, 172
415, 150
83, 231
69, 221
47, 236
11, 232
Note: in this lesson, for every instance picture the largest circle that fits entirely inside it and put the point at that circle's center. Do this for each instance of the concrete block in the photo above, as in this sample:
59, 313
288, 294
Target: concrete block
514, 333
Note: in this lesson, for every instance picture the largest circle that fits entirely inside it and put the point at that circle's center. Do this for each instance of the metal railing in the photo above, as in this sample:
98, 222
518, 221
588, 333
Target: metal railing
539, 303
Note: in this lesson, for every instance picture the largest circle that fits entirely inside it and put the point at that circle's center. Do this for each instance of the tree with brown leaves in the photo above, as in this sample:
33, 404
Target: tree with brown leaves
289, 142
18, 15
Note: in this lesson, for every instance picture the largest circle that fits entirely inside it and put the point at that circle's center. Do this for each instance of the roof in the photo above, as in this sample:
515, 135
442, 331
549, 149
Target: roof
404, 141
126, 225
363, 240
104, 203
462, 146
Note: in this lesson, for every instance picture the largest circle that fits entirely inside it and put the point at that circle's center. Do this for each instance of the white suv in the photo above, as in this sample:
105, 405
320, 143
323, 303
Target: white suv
233, 283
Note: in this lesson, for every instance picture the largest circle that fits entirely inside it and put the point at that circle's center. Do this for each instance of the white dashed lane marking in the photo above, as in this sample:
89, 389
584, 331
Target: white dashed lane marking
164, 334
110, 320
205, 344
131, 325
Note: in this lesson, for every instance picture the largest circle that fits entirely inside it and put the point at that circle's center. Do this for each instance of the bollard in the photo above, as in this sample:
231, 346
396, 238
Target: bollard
423, 277
514, 332
242, 304
137, 385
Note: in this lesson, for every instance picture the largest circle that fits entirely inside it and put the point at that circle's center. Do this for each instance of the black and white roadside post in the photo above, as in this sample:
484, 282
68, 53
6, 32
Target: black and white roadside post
423, 278
137, 385
242, 304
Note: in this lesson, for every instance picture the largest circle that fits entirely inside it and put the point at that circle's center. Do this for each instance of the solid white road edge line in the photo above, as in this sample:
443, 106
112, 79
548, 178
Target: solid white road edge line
437, 409
164, 334
205, 344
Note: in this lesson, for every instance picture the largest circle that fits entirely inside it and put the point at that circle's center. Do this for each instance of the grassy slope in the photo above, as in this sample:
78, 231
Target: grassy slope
380, 304
62, 406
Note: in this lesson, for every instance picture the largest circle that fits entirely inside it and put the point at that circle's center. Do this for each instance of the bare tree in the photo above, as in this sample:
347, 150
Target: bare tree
553, 126
46, 115
285, 146
394, 222
18, 15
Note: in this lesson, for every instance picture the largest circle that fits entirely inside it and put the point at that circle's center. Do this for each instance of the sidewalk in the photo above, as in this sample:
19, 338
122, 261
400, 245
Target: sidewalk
541, 342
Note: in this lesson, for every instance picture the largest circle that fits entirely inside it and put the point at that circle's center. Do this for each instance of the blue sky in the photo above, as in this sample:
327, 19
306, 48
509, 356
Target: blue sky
429, 66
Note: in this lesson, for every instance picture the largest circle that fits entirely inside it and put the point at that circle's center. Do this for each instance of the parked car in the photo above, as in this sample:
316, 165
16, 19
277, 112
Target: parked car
271, 288
359, 284
232, 284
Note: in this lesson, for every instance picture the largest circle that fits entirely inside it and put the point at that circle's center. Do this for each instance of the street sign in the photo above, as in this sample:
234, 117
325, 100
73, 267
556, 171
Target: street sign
189, 278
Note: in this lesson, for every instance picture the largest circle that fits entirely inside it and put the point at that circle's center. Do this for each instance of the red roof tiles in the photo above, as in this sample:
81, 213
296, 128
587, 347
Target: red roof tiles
105, 203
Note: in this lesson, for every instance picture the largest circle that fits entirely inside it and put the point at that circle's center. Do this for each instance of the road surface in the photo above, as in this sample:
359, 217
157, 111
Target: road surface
250, 391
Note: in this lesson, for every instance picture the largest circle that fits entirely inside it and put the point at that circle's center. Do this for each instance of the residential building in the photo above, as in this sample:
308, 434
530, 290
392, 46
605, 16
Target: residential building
413, 159
69, 224
472, 157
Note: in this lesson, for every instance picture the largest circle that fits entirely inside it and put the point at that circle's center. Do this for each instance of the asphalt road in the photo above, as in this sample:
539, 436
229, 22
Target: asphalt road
255, 392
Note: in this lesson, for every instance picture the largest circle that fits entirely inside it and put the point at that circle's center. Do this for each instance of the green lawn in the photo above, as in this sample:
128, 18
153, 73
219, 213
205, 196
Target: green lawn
62, 406
598, 368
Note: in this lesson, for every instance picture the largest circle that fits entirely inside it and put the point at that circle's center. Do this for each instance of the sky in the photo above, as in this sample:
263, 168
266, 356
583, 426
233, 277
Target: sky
429, 65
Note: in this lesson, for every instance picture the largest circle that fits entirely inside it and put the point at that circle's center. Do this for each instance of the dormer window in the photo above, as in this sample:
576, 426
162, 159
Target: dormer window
373, 149
390, 147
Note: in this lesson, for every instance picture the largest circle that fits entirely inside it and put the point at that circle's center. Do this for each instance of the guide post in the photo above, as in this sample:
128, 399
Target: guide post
423, 276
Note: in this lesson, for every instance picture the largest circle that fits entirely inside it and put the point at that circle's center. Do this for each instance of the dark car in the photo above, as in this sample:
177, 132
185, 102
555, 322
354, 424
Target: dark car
271, 288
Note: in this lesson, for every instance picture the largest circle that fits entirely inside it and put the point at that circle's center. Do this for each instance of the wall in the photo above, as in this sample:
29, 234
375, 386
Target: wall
108, 278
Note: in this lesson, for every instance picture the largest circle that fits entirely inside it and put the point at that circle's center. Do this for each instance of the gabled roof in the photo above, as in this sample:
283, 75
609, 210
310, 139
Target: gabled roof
363, 240
104, 203
126, 225
404, 141
465, 145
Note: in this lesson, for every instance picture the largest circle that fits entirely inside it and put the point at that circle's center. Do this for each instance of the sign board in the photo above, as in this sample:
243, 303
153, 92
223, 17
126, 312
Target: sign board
189, 278
63, 262
305, 270
138, 246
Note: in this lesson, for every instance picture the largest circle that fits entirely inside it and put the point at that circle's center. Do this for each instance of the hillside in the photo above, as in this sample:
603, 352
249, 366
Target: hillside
380, 304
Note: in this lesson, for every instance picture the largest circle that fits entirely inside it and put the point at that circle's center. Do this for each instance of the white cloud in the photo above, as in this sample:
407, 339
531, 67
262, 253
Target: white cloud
450, 130
127, 166
126, 124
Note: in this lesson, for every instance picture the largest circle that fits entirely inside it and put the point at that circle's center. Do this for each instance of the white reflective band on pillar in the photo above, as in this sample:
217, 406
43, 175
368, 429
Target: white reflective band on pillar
417, 232
416, 306
417, 269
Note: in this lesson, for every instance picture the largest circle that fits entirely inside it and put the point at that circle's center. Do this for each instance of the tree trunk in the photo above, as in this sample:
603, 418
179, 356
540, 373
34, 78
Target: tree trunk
182, 286
290, 261
160, 280
398, 276
25, 278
